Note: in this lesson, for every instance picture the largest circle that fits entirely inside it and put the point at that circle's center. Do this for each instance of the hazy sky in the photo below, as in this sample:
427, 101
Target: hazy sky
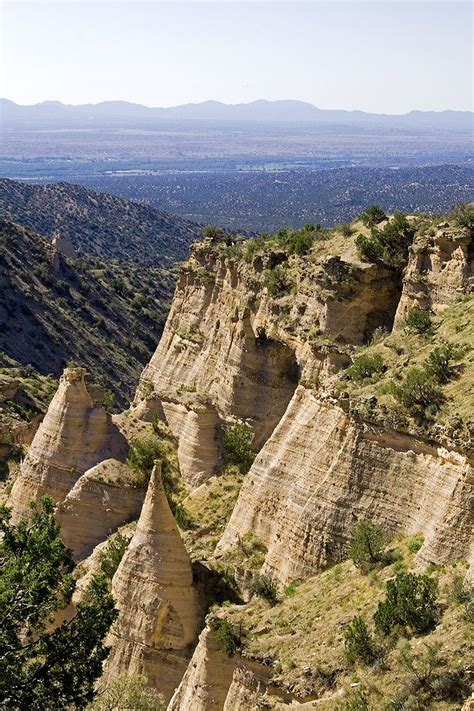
377, 56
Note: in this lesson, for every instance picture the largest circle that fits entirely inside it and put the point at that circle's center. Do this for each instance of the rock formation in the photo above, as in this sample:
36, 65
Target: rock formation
63, 245
157, 604
102, 500
75, 434
320, 472
229, 352
439, 269
208, 677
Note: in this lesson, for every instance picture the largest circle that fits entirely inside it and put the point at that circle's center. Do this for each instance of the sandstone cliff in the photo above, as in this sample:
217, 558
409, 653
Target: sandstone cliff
320, 472
153, 586
230, 350
440, 268
75, 434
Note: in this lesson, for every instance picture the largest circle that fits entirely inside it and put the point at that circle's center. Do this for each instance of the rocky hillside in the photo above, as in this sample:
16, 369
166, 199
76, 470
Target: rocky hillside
99, 224
308, 417
107, 315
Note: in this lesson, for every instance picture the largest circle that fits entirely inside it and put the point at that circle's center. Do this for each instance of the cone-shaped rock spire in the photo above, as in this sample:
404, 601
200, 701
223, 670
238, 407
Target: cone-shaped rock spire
75, 434
153, 586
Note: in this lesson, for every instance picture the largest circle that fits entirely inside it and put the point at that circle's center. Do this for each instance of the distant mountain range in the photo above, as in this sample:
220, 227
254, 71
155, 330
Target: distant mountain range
123, 113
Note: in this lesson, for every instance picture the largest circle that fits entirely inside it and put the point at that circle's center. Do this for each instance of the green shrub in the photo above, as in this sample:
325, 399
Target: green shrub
368, 541
276, 280
141, 457
388, 246
126, 693
298, 242
459, 592
264, 586
415, 543
373, 215
238, 448
411, 601
418, 393
359, 645
463, 215
113, 554
364, 366
439, 363
213, 234
418, 320
229, 637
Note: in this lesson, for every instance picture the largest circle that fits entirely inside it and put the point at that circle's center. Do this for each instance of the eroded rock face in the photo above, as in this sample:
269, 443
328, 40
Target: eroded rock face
157, 604
439, 269
206, 683
229, 348
75, 434
320, 472
102, 500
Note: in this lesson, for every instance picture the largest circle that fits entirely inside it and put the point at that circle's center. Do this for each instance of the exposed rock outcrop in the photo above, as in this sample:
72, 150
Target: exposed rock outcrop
63, 245
439, 269
206, 682
231, 351
75, 434
320, 472
102, 500
157, 603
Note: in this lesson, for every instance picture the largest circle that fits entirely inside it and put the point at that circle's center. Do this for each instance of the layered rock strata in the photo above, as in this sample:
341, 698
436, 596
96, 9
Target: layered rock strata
439, 269
153, 586
102, 500
230, 351
75, 434
320, 472
208, 677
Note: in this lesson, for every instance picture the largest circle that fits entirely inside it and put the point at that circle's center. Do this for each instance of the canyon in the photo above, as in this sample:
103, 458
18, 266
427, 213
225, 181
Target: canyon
262, 336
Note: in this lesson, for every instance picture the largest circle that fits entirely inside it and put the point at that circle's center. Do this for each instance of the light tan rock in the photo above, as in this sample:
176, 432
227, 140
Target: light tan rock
229, 347
75, 435
102, 500
320, 472
207, 680
197, 431
157, 604
439, 270
63, 245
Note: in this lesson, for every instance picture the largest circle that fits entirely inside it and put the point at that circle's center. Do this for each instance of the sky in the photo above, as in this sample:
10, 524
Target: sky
386, 57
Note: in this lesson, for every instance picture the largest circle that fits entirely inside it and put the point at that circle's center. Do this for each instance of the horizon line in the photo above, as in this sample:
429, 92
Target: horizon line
231, 104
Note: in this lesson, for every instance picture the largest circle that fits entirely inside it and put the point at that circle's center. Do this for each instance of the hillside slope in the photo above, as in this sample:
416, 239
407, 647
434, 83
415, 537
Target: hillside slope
99, 224
106, 315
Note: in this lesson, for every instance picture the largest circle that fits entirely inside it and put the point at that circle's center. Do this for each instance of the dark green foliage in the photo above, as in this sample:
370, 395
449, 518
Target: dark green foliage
365, 366
238, 448
411, 602
276, 280
108, 400
439, 363
359, 645
142, 455
373, 215
418, 393
418, 320
44, 669
113, 554
298, 242
229, 636
264, 586
388, 246
368, 541
463, 215
213, 234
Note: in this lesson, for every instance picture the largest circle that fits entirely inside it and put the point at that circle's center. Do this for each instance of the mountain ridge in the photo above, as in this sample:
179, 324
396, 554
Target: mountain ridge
261, 110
